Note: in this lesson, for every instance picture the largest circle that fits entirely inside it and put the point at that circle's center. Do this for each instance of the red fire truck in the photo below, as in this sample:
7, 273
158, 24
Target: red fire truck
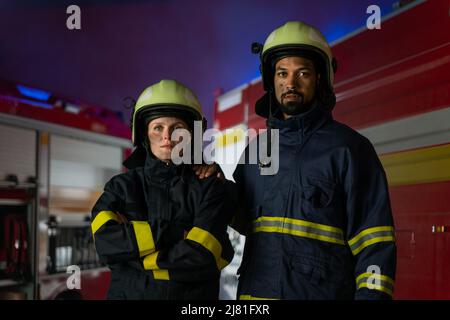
56, 154
393, 86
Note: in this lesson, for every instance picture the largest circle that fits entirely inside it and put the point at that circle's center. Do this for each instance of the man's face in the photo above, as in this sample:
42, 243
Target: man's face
295, 84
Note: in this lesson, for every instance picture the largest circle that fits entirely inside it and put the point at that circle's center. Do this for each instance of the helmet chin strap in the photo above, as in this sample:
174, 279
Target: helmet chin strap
146, 144
269, 134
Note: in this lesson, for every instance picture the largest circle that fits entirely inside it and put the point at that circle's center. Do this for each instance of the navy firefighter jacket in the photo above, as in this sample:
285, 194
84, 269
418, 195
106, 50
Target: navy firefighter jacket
322, 227
163, 232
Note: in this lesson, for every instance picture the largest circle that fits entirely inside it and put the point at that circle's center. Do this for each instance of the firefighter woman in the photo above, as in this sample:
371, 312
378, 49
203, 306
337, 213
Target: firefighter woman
161, 230
321, 227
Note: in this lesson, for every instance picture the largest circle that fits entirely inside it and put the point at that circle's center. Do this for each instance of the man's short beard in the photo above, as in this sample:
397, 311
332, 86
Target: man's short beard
295, 107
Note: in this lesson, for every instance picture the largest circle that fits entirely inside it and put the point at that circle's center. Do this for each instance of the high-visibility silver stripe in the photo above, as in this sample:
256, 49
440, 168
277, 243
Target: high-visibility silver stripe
290, 226
383, 283
370, 236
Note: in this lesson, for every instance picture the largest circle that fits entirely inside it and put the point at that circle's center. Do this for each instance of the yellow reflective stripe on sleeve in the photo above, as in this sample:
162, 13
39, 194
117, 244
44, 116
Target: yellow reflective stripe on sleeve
161, 274
222, 263
301, 228
209, 242
150, 264
385, 283
144, 237
375, 275
249, 297
101, 218
371, 236
150, 261
376, 287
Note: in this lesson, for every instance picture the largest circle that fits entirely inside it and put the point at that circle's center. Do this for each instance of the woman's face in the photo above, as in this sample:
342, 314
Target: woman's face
159, 133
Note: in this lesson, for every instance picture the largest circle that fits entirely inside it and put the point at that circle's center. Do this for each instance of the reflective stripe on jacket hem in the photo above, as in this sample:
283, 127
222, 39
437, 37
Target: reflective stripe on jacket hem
249, 297
299, 228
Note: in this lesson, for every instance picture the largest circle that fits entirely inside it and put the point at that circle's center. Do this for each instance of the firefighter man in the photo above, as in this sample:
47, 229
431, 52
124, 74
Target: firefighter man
161, 230
321, 227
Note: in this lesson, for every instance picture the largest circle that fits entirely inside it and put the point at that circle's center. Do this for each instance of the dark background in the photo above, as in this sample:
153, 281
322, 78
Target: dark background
125, 46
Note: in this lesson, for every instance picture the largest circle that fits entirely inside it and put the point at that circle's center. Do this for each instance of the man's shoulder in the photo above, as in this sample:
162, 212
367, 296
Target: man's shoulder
354, 143
346, 134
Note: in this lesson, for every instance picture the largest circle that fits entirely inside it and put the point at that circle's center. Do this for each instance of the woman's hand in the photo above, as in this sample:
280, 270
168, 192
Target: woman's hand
205, 171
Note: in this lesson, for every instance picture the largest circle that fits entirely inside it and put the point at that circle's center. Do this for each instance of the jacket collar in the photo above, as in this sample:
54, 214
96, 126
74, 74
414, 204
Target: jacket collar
304, 122
157, 168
